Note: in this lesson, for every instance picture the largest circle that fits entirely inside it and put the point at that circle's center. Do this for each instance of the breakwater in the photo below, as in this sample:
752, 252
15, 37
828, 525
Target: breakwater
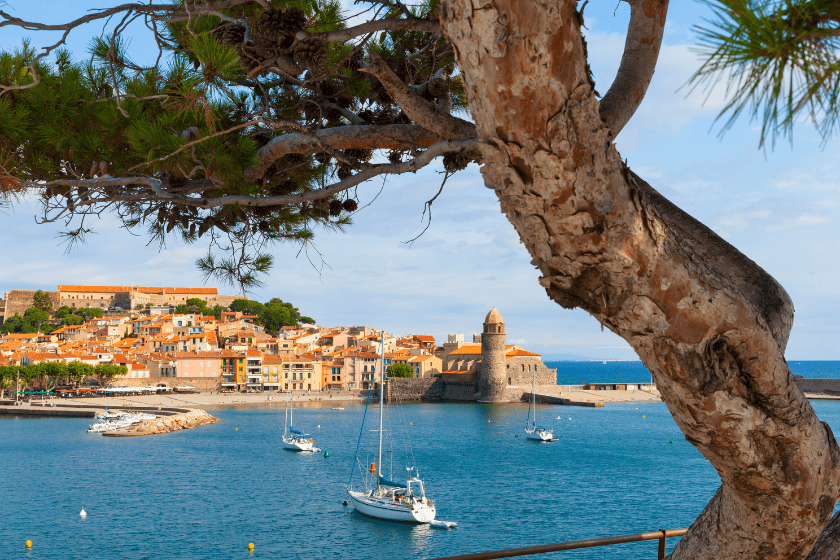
184, 421
826, 386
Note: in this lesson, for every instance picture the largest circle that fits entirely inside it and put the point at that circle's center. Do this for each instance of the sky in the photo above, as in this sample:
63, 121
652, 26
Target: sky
779, 207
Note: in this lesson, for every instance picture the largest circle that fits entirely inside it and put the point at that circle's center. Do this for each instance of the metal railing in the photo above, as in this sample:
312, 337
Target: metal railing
661, 535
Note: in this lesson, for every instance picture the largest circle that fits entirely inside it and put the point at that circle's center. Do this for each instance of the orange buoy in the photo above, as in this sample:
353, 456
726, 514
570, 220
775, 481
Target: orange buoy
373, 468
311, 440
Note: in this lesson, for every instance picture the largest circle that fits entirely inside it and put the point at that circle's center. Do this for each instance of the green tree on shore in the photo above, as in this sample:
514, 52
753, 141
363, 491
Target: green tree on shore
400, 370
273, 315
78, 371
8, 376
105, 373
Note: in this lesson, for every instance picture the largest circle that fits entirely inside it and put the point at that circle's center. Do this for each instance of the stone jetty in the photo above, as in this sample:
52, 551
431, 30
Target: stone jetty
163, 425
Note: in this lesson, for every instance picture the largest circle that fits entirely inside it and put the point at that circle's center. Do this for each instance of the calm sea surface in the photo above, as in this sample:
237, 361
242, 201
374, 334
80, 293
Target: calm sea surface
206, 493
576, 373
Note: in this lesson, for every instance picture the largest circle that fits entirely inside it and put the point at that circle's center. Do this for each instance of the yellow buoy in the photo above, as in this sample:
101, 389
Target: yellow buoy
236, 429
411, 423
643, 416
488, 421
250, 546
28, 544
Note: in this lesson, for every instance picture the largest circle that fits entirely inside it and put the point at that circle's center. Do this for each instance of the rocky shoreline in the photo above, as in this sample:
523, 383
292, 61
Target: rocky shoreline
166, 424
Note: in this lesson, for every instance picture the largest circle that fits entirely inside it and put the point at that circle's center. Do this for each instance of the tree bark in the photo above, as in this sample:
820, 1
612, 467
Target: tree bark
709, 324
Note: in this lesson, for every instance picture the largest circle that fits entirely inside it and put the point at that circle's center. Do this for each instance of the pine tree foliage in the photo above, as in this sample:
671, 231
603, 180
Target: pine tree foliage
778, 59
253, 127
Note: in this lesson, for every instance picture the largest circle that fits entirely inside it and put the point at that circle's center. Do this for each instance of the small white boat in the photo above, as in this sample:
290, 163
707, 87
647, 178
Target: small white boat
109, 415
107, 426
337, 408
532, 432
295, 440
115, 420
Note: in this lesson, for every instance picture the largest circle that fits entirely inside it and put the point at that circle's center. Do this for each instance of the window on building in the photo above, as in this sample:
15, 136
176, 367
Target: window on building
309, 375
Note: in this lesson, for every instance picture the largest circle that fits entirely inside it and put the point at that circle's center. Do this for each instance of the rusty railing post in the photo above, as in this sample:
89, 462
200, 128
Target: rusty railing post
662, 539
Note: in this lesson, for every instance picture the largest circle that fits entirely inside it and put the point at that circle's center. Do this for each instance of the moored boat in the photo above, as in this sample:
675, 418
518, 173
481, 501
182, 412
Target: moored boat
532, 432
295, 440
389, 500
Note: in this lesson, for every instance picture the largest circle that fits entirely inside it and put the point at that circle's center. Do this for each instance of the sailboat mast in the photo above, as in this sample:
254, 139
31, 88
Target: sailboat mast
534, 396
381, 400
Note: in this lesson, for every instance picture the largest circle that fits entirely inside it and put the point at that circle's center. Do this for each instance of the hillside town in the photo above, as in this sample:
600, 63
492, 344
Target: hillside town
158, 346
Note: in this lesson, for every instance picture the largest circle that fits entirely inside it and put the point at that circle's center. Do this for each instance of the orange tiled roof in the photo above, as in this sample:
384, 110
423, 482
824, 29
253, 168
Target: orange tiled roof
141, 289
514, 351
423, 358
468, 350
42, 356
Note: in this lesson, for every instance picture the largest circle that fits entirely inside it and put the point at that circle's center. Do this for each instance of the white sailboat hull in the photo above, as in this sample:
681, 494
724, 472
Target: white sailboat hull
297, 444
540, 434
381, 508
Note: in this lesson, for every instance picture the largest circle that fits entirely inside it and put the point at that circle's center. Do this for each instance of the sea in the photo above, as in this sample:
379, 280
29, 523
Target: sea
209, 492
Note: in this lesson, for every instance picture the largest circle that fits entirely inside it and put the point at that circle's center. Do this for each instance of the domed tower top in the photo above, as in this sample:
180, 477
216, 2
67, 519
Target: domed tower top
494, 317
493, 323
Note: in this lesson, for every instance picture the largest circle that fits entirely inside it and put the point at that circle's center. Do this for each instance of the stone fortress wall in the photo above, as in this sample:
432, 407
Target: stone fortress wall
18, 301
105, 297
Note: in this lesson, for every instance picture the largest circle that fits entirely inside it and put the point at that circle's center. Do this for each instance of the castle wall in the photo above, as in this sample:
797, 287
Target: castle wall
520, 372
18, 301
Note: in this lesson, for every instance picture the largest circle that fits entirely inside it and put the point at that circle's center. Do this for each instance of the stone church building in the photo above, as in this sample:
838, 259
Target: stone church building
495, 371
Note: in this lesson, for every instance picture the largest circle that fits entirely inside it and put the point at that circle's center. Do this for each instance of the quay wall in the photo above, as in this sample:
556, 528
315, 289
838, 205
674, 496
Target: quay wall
414, 389
460, 392
79, 411
818, 385
203, 384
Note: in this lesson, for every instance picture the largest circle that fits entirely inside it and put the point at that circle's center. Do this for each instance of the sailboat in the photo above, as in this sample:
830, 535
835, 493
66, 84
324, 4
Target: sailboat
531, 429
390, 500
295, 440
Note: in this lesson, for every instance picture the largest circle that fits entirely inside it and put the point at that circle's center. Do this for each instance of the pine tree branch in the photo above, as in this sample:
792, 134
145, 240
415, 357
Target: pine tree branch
149, 9
641, 51
384, 137
412, 24
424, 113
159, 193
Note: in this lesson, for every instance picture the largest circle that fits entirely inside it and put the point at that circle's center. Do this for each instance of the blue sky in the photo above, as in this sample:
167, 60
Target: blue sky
779, 208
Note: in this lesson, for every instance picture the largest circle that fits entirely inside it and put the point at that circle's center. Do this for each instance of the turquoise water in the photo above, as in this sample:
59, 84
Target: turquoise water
206, 493
576, 373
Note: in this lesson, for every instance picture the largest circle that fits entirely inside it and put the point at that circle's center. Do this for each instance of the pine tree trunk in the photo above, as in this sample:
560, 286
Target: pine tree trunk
709, 324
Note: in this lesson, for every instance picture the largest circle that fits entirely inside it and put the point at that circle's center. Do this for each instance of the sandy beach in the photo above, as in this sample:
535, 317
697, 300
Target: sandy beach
209, 400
